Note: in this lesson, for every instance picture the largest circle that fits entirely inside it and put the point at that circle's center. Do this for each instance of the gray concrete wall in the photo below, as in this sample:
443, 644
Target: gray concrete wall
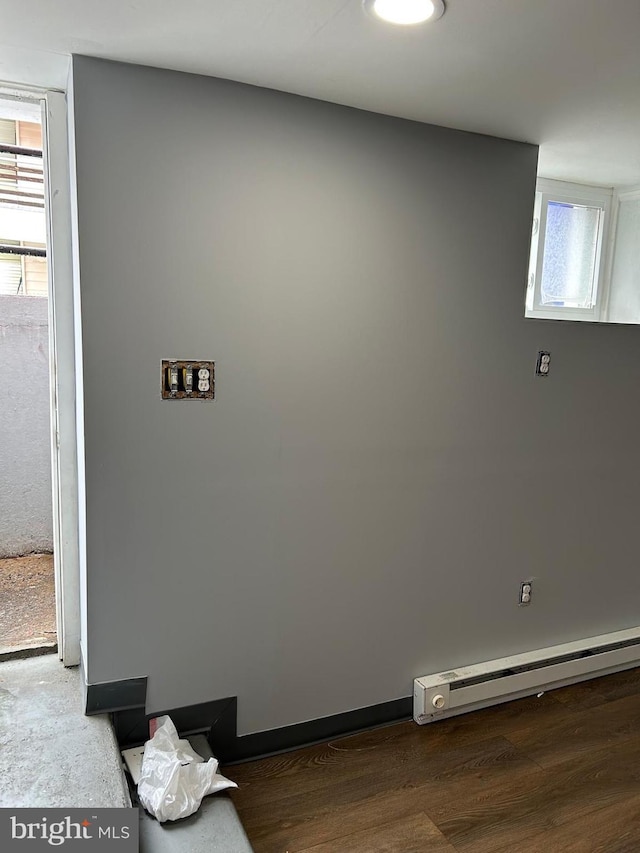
381, 467
25, 450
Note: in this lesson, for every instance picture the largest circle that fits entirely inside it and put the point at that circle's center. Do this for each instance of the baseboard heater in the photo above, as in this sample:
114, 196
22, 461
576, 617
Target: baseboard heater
468, 688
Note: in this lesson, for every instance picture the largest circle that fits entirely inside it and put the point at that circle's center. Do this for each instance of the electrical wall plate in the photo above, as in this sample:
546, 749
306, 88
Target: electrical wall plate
543, 363
526, 590
183, 379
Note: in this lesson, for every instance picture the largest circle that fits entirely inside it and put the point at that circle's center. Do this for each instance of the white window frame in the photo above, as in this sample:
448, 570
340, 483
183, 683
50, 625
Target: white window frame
548, 190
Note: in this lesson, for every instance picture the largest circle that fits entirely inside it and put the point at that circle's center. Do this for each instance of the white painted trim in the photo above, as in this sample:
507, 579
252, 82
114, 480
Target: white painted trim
586, 191
79, 378
610, 258
63, 385
23, 92
629, 195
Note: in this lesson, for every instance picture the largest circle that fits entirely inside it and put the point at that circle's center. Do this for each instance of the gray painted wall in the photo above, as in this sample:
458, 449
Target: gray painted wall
25, 450
381, 467
624, 302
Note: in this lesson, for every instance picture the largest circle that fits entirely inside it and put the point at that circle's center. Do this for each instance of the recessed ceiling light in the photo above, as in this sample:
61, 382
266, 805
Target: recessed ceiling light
406, 12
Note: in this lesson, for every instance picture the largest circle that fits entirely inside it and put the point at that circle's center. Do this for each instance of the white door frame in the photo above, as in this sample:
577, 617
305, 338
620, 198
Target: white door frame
62, 360
63, 333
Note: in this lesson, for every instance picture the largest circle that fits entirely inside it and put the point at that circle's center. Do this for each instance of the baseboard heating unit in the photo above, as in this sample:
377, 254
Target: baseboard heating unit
467, 688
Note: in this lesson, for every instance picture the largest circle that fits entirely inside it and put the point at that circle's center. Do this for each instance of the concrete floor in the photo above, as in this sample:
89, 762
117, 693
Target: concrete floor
51, 754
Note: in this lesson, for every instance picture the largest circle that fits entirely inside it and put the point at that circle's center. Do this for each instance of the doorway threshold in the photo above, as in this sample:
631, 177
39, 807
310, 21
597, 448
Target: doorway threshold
27, 650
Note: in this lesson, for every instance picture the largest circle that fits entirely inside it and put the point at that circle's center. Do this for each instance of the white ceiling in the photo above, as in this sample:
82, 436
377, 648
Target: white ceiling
561, 73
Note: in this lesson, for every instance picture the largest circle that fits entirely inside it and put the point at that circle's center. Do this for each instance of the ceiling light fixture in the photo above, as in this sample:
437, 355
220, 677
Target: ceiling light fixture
406, 12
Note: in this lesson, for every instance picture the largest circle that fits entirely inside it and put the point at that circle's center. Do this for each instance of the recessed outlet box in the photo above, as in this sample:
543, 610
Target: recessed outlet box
543, 363
526, 588
187, 380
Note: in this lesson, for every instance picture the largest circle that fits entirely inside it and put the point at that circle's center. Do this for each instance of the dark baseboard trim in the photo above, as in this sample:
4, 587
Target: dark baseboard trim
115, 695
131, 725
261, 744
125, 701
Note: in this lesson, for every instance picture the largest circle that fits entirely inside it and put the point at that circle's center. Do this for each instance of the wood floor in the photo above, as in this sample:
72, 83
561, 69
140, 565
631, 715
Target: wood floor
559, 774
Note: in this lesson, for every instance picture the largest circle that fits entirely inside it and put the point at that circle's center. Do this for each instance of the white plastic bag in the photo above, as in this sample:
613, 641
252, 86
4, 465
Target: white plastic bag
174, 778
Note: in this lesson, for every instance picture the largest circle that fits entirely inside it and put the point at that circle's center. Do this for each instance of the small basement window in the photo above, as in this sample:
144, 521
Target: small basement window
568, 247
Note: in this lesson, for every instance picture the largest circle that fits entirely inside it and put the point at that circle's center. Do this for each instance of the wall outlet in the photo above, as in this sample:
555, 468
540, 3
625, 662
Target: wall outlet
543, 363
526, 588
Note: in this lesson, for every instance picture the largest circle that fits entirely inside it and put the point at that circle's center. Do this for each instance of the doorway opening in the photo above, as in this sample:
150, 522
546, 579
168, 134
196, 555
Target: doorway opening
27, 576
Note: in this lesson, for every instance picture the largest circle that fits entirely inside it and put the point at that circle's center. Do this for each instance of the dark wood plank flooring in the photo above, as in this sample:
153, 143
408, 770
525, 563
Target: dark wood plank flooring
559, 774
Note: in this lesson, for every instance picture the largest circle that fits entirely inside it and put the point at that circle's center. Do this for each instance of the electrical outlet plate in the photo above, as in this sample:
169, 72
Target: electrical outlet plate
526, 591
182, 379
543, 363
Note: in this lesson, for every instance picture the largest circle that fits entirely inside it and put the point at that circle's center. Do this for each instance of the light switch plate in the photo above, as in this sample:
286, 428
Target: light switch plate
183, 379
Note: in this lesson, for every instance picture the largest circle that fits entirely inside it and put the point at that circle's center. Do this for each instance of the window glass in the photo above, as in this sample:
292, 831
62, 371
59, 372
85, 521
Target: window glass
11, 279
22, 214
570, 249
